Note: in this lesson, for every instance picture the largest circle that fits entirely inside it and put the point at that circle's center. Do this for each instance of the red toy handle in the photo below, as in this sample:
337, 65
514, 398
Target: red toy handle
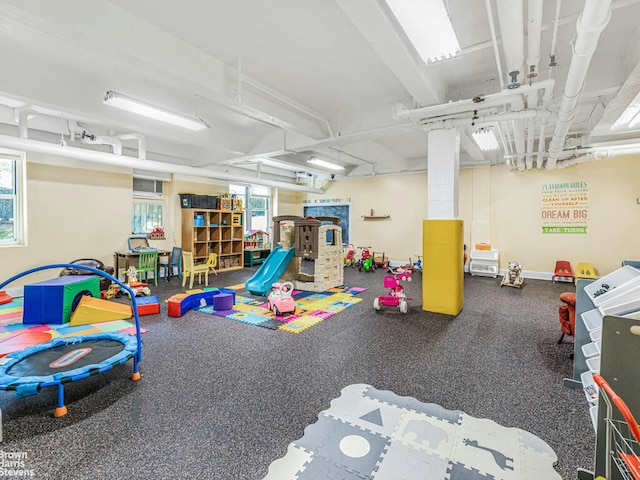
624, 410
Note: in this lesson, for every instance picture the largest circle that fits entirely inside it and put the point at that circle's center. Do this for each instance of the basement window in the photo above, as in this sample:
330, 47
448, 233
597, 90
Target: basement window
11, 195
146, 217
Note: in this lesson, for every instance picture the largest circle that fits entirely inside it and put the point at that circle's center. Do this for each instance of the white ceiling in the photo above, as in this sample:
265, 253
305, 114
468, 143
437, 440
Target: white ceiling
282, 80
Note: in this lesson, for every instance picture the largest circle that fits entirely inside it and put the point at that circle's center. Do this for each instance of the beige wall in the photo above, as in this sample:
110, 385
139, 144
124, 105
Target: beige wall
402, 197
515, 213
71, 214
85, 211
613, 221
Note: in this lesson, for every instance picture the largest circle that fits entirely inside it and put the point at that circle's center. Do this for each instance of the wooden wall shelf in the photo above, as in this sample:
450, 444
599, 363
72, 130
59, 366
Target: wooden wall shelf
372, 216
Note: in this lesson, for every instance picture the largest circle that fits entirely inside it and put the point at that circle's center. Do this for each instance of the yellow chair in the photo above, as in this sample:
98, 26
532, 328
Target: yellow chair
212, 262
148, 262
189, 270
585, 270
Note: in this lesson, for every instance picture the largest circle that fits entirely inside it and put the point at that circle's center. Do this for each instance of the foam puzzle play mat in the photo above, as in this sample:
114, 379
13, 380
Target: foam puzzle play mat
371, 434
311, 308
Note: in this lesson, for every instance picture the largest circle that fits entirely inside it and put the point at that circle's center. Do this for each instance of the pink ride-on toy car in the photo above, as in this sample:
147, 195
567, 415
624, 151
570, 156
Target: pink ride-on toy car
396, 296
280, 300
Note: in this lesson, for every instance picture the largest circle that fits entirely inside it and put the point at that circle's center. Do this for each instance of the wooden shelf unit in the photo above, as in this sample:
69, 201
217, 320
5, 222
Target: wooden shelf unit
206, 231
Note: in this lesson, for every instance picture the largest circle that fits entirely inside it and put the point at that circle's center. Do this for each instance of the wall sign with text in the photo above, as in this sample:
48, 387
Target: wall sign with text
565, 207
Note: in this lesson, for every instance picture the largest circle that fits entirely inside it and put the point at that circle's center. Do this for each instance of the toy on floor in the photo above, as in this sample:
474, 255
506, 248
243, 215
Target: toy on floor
140, 289
512, 276
349, 255
366, 262
396, 296
417, 265
5, 297
403, 272
280, 300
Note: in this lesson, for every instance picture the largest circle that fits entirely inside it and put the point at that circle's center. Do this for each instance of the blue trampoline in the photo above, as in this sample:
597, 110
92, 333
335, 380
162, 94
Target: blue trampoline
65, 360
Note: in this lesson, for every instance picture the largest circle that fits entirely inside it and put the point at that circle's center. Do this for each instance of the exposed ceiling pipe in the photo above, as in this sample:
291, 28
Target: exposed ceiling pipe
532, 102
591, 23
142, 143
598, 154
554, 36
510, 17
23, 121
462, 121
541, 144
36, 146
494, 41
504, 97
534, 28
74, 129
113, 142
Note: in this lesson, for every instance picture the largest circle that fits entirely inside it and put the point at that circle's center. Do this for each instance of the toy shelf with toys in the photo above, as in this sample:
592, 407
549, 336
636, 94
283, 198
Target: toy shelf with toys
206, 231
607, 342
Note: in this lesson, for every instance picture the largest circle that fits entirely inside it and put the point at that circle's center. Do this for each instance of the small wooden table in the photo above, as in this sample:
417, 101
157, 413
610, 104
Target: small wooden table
255, 256
127, 255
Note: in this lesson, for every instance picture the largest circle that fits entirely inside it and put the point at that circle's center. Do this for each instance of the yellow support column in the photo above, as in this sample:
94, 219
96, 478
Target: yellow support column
443, 268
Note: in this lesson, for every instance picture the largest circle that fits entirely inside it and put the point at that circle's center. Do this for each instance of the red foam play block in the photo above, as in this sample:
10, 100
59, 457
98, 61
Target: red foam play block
149, 309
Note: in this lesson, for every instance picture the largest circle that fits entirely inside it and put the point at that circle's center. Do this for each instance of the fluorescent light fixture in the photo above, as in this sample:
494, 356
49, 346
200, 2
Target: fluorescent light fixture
428, 26
486, 139
134, 105
325, 164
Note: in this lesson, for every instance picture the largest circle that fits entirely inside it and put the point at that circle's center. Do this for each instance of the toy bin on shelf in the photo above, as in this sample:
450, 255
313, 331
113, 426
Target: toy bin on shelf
603, 288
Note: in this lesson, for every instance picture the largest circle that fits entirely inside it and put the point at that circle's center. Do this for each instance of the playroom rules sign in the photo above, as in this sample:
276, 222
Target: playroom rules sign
565, 207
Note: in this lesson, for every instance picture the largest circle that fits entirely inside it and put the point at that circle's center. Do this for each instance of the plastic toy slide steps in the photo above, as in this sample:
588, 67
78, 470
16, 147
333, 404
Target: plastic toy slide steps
270, 271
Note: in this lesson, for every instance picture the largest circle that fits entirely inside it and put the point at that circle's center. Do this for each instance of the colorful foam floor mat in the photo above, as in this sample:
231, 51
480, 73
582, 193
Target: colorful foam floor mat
311, 308
14, 335
375, 434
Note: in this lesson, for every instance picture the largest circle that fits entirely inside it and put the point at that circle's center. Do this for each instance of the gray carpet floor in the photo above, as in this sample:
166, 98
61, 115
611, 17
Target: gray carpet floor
221, 399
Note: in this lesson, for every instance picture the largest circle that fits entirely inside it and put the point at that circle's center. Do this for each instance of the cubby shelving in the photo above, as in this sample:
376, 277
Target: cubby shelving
206, 231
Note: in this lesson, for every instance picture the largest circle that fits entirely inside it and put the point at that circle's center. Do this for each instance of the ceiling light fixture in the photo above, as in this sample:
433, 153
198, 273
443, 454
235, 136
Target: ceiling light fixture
428, 26
486, 139
140, 107
325, 164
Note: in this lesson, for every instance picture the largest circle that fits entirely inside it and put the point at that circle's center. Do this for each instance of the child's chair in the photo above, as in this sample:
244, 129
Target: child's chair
585, 270
175, 261
562, 270
148, 262
567, 314
212, 262
189, 269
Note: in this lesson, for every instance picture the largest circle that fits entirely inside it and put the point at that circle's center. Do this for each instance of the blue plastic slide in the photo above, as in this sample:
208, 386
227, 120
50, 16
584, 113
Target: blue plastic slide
270, 271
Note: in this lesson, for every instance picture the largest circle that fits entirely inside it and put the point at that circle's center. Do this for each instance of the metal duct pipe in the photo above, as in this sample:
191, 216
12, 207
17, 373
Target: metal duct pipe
510, 17
89, 139
591, 23
35, 146
142, 143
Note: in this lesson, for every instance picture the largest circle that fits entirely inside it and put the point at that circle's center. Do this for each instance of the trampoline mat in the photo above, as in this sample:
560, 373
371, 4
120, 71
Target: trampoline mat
66, 357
